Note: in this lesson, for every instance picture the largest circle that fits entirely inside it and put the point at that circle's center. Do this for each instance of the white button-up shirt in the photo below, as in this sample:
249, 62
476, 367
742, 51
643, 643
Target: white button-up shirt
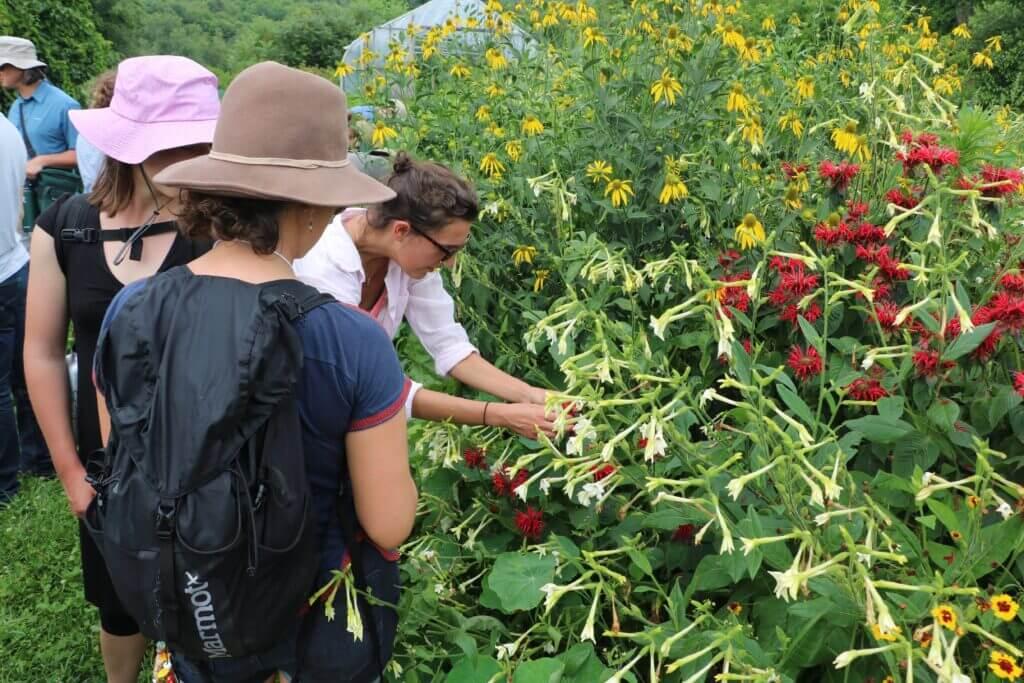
333, 266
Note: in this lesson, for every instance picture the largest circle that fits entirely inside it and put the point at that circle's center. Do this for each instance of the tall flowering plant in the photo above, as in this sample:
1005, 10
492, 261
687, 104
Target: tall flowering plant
773, 266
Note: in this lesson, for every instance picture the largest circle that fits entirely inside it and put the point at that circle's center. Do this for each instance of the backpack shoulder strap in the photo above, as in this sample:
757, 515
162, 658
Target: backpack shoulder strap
296, 299
70, 216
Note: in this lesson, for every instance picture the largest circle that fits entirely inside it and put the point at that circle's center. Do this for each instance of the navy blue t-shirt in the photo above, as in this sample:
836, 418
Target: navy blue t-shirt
351, 380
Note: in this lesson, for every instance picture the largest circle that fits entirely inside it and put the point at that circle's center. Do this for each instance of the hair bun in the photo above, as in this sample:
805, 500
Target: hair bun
402, 163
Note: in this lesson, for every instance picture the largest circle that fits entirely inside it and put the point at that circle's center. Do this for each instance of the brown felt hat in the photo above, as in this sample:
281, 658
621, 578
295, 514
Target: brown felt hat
281, 134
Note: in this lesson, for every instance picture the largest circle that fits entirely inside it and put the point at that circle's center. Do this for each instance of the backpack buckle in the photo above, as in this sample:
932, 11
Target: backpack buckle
165, 521
84, 235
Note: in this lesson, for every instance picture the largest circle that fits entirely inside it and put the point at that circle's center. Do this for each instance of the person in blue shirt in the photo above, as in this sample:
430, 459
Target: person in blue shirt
41, 111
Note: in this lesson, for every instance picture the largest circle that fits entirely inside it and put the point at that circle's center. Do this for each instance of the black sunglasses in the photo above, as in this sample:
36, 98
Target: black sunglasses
448, 251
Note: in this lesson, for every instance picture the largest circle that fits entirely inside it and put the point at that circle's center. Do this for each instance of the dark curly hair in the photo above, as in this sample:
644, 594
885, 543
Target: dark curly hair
427, 194
210, 216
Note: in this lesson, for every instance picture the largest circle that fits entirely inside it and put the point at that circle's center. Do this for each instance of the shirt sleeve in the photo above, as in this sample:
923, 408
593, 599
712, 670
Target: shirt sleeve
47, 220
381, 387
431, 314
98, 378
70, 133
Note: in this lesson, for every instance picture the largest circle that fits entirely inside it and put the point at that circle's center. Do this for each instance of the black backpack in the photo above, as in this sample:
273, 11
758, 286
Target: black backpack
203, 511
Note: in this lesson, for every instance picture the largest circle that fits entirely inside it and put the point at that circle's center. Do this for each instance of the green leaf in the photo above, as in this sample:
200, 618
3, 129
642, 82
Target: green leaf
582, 665
967, 342
945, 514
927, 521
880, 429
641, 561
811, 335
1005, 400
711, 573
795, 403
944, 413
516, 580
545, 670
891, 406
474, 670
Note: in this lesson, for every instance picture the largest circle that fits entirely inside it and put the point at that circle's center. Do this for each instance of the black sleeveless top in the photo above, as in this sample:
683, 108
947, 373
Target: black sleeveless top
90, 289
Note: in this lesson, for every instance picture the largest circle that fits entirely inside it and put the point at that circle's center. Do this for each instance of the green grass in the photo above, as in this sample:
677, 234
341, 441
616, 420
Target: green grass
48, 632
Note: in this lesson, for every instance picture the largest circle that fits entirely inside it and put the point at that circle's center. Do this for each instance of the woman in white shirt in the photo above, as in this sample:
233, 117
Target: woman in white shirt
385, 260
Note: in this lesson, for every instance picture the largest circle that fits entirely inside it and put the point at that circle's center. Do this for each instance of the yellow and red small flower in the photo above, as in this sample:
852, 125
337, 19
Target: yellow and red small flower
1004, 607
1004, 666
945, 615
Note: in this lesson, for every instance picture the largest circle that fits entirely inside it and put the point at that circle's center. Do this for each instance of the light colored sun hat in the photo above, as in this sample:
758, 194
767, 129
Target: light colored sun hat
282, 134
19, 53
160, 102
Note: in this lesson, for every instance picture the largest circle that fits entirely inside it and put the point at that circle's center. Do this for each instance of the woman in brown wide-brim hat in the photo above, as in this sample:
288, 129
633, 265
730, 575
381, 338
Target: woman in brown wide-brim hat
277, 174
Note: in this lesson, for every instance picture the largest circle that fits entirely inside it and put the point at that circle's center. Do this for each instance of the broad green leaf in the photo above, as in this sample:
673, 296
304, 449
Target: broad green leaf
796, 404
640, 560
891, 406
943, 414
473, 670
545, 670
582, 665
1005, 400
880, 429
945, 514
811, 335
516, 579
967, 342
711, 573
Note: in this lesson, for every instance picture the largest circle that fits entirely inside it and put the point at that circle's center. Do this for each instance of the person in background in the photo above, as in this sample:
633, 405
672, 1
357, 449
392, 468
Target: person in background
163, 110
385, 260
90, 158
40, 112
21, 444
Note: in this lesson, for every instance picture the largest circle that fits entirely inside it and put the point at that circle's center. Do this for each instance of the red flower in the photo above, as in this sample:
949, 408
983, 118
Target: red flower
928, 364
503, 486
778, 297
882, 288
641, 443
603, 472
805, 364
865, 389
1008, 309
530, 523
952, 329
871, 252
748, 346
684, 533
830, 236
1009, 180
727, 258
520, 478
891, 267
886, 313
906, 200
474, 458
839, 176
868, 232
784, 265
1018, 382
1014, 283
856, 210
988, 347
799, 283
930, 155
791, 312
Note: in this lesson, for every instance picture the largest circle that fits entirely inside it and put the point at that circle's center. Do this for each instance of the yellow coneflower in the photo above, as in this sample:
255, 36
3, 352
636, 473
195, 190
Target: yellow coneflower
749, 51
982, 59
550, 19
666, 87
495, 59
947, 84
790, 121
750, 232
494, 90
382, 132
730, 36
804, 88
673, 190
592, 37
524, 253
483, 113
737, 101
492, 166
792, 198
496, 130
962, 31
768, 24
752, 131
460, 71
514, 149
845, 138
366, 57
945, 615
343, 70
994, 43
620, 191
532, 126
539, 278
599, 171
845, 78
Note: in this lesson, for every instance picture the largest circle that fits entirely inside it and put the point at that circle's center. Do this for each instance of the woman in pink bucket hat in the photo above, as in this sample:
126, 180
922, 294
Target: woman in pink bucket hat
164, 110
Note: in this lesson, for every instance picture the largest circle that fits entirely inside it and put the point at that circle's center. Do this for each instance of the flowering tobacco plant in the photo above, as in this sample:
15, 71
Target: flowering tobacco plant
775, 276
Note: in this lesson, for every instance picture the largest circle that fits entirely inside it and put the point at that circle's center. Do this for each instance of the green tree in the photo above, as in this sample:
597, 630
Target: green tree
66, 35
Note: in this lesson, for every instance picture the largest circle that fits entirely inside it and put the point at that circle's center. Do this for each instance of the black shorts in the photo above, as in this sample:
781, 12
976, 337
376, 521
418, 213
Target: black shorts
99, 589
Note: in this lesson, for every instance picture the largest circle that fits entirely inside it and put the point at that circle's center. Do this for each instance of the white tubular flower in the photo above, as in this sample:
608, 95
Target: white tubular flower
905, 312
545, 485
935, 233
699, 537
506, 651
726, 332
588, 629
591, 491
787, 584
735, 487
846, 658
653, 432
1005, 510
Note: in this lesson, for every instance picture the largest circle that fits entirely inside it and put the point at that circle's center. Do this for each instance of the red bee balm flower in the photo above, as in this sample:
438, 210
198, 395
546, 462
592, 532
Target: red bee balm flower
838, 175
906, 200
1018, 382
864, 389
928, 364
804, 364
503, 486
684, 533
474, 458
603, 472
886, 313
530, 523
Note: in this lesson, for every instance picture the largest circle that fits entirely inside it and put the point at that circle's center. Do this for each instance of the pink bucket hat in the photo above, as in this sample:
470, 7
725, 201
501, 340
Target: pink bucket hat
160, 102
